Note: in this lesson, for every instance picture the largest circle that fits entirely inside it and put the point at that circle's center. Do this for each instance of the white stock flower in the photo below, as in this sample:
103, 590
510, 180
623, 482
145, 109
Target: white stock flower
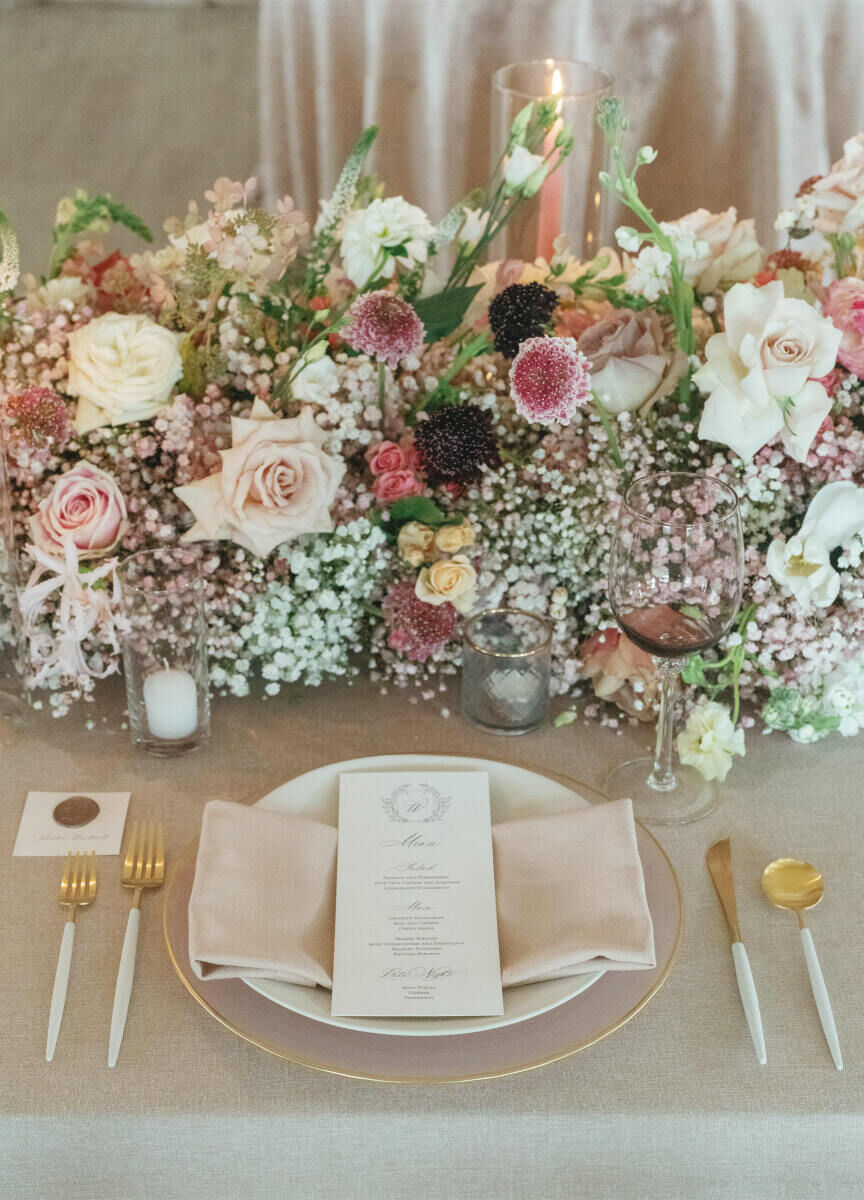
316, 382
371, 234
709, 741
474, 225
524, 171
628, 239
803, 564
122, 368
651, 273
762, 373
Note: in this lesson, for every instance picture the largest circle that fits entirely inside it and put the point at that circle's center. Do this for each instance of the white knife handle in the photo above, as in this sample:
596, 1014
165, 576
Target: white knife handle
123, 991
61, 982
749, 999
820, 995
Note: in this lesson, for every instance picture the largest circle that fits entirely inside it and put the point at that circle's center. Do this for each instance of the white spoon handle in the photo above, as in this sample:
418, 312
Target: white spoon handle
749, 999
820, 995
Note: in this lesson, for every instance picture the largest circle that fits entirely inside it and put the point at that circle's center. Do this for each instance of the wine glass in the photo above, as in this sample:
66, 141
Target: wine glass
675, 577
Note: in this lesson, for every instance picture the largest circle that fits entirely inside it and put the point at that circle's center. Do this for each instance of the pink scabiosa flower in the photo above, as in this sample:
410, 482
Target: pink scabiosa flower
417, 629
549, 380
385, 327
40, 417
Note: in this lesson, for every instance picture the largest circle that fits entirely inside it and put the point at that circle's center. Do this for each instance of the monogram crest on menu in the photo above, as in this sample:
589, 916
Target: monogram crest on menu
419, 802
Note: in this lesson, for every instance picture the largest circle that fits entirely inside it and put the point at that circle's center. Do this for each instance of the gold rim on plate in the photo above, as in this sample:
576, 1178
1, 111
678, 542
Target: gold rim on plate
329, 1069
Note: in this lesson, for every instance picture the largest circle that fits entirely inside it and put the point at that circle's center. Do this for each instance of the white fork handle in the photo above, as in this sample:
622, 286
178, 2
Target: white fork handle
749, 1000
123, 991
61, 982
820, 995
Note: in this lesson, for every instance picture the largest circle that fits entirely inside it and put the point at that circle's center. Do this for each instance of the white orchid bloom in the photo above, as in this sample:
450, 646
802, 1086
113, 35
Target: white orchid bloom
803, 564
762, 373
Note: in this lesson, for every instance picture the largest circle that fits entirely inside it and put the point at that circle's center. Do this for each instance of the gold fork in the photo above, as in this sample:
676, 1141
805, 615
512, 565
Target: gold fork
144, 867
77, 889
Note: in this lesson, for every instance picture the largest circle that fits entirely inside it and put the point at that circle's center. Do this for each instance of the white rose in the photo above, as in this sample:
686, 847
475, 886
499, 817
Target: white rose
316, 382
761, 374
803, 564
122, 368
730, 251
709, 740
524, 171
837, 196
371, 234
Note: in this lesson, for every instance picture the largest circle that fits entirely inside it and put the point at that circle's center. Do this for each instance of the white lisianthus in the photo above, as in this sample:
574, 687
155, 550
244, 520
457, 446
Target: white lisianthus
803, 564
836, 196
386, 233
316, 382
524, 171
651, 273
122, 368
761, 374
474, 225
709, 741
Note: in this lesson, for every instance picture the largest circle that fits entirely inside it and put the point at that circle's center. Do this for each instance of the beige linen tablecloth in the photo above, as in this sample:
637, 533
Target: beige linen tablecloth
673, 1105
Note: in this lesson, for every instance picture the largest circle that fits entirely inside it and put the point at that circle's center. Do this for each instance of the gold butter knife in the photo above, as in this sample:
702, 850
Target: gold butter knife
719, 862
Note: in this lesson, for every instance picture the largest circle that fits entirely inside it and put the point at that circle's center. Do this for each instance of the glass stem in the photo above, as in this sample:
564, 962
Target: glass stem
662, 777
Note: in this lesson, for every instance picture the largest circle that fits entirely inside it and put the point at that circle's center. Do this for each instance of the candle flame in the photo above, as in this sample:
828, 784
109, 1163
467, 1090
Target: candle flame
557, 88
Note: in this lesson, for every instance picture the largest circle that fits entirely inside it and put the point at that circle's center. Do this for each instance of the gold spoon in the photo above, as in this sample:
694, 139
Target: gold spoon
797, 886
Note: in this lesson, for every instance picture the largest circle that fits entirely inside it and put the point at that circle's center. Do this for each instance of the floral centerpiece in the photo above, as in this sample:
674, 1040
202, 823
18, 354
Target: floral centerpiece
372, 430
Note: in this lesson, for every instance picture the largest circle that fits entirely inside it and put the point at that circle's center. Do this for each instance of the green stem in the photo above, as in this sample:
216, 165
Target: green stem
611, 434
382, 386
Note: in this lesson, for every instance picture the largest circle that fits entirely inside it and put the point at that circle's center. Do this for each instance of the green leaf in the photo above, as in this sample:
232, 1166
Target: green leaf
565, 718
194, 378
443, 312
417, 508
91, 213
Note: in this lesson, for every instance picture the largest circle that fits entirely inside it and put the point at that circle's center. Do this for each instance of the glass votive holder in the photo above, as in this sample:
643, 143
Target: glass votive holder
506, 662
164, 643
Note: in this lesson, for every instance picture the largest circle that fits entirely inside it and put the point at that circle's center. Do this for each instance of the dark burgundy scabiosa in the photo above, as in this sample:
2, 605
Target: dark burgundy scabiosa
40, 417
417, 629
455, 442
385, 327
521, 311
549, 380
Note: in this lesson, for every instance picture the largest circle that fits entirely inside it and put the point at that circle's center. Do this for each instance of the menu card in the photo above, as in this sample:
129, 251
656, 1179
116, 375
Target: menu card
416, 929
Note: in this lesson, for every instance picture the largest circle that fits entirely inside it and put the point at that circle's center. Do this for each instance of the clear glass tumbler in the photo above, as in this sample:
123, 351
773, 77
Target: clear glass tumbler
571, 200
164, 642
505, 670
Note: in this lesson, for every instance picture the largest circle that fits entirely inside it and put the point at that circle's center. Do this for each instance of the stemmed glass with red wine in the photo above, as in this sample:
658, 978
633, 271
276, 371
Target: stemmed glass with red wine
675, 578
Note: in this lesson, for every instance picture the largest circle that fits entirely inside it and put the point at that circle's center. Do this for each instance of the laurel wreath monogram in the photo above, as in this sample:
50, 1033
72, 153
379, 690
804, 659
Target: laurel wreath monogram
412, 798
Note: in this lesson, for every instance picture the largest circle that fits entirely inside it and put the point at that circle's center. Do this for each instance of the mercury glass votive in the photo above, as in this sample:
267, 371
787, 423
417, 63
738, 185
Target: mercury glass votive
505, 670
164, 642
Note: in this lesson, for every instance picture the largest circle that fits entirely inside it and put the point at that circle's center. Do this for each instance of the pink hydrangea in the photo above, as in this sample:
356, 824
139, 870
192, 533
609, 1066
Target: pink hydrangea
385, 327
417, 630
550, 380
845, 307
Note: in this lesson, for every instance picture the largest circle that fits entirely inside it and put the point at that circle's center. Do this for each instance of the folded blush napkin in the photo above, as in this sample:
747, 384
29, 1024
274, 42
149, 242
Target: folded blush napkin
569, 886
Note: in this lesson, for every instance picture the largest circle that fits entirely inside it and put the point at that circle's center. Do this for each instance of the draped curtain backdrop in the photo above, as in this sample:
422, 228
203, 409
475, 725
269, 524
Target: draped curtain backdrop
743, 98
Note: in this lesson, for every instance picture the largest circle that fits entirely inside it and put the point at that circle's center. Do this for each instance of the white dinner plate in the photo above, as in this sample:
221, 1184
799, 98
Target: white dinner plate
514, 792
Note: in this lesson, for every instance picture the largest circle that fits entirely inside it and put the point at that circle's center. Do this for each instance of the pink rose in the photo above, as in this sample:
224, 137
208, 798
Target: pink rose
615, 665
86, 508
276, 483
845, 307
393, 485
386, 456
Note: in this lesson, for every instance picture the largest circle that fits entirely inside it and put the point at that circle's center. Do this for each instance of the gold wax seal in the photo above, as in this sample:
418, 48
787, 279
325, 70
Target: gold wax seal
75, 811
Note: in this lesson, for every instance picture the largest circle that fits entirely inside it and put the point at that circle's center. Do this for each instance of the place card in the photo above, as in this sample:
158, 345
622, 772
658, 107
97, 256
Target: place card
55, 822
416, 929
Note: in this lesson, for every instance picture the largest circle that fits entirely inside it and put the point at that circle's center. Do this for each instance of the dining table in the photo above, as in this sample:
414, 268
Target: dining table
672, 1103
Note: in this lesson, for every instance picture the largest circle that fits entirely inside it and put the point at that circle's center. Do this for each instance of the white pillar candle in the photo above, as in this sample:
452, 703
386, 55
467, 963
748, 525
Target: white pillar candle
171, 704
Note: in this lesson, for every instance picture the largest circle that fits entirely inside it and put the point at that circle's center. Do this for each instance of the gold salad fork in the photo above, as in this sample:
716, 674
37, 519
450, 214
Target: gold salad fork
77, 889
143, 867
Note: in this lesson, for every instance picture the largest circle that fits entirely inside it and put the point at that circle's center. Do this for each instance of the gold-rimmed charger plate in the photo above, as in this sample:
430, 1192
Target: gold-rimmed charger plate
565, 1030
